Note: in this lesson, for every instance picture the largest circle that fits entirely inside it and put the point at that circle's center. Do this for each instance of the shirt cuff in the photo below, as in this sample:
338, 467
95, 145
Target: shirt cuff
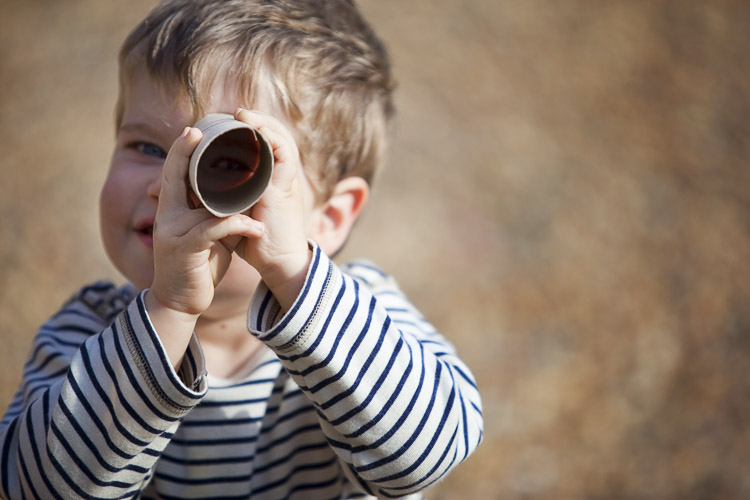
284, 332
176, 391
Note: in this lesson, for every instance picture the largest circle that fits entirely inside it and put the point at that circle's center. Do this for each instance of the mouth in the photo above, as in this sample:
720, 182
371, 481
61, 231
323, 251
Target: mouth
145, 232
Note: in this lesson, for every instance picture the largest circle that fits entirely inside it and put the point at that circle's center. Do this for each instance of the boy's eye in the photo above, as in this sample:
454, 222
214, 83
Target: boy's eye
229, 164
148, 149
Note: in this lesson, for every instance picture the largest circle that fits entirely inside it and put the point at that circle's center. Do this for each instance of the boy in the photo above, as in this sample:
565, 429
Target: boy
156, 389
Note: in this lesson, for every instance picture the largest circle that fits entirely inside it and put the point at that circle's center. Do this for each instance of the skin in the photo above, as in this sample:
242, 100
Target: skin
202, 270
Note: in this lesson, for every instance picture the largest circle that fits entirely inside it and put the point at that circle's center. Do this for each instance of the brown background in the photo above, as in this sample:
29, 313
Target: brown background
567, 201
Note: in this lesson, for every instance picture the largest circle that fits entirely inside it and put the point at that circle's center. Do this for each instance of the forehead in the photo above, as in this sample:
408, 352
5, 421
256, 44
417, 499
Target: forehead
144, 98
167, 99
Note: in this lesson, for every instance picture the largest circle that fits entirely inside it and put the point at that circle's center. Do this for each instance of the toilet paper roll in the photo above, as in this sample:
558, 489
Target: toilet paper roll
231, 166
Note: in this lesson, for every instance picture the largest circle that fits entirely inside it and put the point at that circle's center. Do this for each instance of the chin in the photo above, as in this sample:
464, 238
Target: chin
140, 279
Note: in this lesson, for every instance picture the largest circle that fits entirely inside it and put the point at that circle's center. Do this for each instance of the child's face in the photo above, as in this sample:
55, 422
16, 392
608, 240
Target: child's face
151, 122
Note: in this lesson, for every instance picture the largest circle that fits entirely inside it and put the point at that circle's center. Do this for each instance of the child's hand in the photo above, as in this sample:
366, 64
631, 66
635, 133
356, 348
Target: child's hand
281, 254
192, 248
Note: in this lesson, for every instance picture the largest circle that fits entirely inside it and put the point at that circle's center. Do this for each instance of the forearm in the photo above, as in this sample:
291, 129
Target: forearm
101, 425
175, 328
398, 405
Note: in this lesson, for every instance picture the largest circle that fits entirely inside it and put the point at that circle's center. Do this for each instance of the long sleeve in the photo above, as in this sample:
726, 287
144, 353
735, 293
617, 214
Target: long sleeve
395, 402
97, 404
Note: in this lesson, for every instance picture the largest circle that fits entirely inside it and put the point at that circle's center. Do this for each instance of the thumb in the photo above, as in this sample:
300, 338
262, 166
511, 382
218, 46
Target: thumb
174, 188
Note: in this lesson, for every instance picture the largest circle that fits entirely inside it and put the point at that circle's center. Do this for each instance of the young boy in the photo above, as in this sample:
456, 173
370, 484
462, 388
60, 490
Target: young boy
156, 389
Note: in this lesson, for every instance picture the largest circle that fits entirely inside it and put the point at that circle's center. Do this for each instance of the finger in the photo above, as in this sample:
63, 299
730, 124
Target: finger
211, 231
285, 151
174, 188
179, 222
258, 119
231, 242
286, 158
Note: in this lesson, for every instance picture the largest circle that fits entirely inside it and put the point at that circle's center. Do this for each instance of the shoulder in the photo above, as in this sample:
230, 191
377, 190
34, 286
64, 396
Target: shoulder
382, 285
102, 299
89, 310
369, 274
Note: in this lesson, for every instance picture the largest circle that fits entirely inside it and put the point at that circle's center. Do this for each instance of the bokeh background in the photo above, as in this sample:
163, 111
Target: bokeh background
567, 199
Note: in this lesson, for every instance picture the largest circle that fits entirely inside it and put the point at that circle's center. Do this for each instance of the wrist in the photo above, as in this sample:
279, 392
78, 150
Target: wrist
286, 279
174, 328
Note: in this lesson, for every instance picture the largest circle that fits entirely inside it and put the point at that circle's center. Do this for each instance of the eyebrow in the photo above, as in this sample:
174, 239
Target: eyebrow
137, 126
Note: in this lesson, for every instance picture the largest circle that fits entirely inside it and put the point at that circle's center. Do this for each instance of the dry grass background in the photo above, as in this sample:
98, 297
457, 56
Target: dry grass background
567, 200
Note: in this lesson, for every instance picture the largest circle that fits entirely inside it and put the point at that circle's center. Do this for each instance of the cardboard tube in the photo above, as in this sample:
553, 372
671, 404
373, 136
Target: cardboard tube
231, 166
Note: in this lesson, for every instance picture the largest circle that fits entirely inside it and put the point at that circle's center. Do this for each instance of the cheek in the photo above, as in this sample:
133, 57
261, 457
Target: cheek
112, 201
108, 217
117, 203
312, 210
123, 189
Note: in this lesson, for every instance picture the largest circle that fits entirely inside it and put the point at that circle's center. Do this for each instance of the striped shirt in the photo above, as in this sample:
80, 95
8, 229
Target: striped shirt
355, 395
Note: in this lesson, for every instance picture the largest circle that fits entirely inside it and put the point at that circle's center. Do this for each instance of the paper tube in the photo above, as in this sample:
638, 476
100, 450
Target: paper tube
231, 166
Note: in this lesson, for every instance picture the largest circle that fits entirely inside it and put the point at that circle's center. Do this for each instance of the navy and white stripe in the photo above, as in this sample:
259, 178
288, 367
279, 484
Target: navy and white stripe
356, 395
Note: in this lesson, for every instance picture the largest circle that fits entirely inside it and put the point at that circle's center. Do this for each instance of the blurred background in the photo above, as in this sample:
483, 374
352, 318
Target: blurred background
567, 200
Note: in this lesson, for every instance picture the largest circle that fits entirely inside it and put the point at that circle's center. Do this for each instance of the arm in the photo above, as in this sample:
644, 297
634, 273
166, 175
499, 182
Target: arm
396, 403
97, 403
95, 424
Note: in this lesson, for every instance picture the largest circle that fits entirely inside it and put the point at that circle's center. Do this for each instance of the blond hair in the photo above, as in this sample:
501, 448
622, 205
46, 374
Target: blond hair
318, 60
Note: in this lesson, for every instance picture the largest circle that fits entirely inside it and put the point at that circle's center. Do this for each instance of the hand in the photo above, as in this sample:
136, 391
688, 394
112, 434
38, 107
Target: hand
281, 254
192, 251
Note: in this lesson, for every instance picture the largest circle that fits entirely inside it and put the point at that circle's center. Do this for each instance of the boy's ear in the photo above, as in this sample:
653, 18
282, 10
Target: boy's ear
336, 216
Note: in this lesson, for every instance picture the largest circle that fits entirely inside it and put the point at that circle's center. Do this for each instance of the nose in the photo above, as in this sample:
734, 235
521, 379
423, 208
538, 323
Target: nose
154, 186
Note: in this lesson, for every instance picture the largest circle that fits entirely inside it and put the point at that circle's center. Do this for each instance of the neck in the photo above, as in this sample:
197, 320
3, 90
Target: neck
228, 346
221, 330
